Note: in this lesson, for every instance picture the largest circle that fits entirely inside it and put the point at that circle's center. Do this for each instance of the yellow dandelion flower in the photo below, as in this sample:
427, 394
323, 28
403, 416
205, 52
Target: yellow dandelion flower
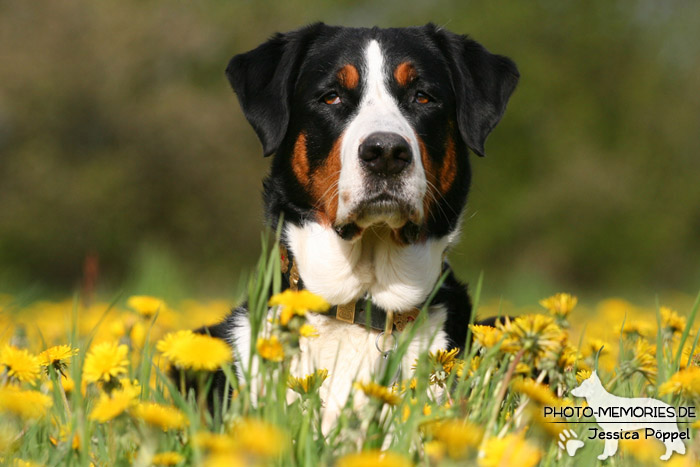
406, 412
537, 392
297, 303
192, 351
404, 386
67, 383
379, 392
458, 436
116, 329
568, 357
110, 406
259, 438
644, 358
546, 424
686, 382
205, 353
582, 375
105, 361
26, 404
445, 358
435, 450
647, 452
226, 459
510, 450
146, 306
486, 336
138, 334
537, 334
172, 344
214, 442
374, 458
686, 357
270, 349
593, 345
637, 328
443, 362
560, 305
307, 330
20, 364
523, 368
56, 356
475, 364
167, 458
309, 383
671, 320
161, 416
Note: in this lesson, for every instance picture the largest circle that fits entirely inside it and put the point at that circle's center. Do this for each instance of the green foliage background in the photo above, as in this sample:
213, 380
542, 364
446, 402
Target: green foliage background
120, 137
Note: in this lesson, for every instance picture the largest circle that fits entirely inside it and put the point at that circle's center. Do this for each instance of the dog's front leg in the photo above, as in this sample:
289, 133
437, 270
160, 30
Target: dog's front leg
609, 449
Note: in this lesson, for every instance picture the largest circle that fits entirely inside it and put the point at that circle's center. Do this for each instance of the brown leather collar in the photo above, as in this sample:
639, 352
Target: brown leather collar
361, 312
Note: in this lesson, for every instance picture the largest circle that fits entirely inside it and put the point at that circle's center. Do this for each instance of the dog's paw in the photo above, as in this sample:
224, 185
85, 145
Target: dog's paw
569, 442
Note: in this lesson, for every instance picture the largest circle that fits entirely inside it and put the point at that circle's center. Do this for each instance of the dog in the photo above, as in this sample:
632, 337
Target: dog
369, 130
653, 417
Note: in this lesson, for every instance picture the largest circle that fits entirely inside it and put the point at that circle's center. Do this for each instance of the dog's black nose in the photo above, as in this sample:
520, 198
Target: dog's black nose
385, 154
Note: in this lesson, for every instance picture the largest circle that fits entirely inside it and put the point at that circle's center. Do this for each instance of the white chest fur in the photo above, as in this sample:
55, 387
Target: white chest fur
397, 277
349, 353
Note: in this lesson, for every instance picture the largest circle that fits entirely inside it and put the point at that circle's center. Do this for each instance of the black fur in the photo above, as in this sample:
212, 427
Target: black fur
483, 82
264, 82
281, 87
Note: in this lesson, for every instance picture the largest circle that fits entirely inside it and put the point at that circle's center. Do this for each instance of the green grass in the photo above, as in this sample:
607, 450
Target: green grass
457, 422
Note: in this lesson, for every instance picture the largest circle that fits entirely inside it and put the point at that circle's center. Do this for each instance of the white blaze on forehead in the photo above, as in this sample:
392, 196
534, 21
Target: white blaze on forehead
378, 112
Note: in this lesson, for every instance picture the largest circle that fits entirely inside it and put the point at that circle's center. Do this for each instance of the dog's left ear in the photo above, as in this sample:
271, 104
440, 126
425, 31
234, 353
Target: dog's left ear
482, 83
263, 80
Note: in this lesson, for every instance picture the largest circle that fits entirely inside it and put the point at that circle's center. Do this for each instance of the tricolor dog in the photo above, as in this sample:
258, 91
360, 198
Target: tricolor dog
369, 131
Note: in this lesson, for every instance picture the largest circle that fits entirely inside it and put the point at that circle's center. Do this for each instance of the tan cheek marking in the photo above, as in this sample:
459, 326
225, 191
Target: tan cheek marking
405, 73
348, 77
448, 171
430, 176
300, 161
324, 186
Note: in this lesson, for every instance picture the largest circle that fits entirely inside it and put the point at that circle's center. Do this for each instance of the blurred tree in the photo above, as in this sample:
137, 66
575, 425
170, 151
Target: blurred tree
118, 130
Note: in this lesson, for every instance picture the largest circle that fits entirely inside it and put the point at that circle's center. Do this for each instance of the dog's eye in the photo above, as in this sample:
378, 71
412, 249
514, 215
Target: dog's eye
421, 98
332, 98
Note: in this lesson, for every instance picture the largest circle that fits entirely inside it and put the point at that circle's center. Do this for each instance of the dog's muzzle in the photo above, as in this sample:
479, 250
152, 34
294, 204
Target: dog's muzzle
385, 154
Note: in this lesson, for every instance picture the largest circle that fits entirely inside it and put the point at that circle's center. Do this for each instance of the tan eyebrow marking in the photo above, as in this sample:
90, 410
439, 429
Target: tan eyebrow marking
348, 76
404, 73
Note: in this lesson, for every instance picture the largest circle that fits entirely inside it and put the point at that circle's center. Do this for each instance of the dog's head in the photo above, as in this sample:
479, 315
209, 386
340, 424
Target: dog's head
588, 387
371, 126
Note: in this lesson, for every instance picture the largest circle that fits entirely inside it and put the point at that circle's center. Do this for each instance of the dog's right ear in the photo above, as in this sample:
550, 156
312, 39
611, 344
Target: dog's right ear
263, 80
